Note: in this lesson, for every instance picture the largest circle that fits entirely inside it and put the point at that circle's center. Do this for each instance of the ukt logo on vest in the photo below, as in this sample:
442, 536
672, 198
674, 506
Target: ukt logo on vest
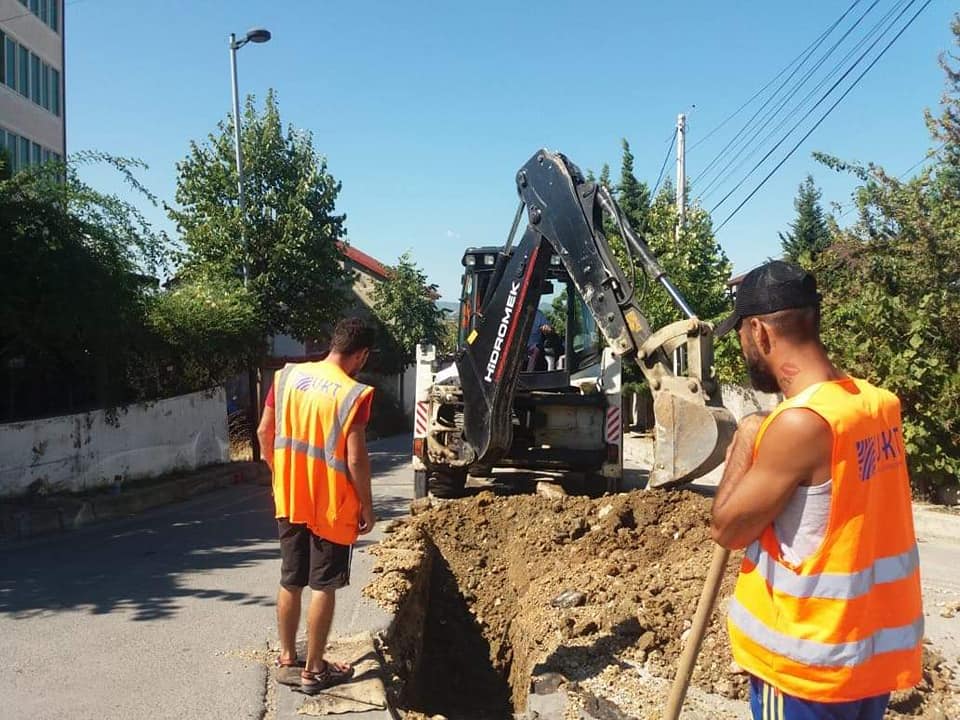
327, 387
880, 452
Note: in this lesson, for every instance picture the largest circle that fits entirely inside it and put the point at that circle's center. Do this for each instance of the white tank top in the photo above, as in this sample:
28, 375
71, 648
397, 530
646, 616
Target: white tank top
802, 525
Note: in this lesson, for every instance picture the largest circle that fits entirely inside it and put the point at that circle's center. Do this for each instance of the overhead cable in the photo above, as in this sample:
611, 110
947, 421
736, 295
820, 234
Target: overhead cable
828, 111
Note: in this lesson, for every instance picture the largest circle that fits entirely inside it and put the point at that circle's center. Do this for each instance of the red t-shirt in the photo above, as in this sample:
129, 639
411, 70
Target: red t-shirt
362, 415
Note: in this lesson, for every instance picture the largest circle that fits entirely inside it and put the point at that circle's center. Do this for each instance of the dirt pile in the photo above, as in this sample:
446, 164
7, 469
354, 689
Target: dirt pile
595, 593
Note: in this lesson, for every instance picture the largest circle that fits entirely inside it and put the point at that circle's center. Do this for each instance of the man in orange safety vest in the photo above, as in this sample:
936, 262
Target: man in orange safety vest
312, 435
826, 616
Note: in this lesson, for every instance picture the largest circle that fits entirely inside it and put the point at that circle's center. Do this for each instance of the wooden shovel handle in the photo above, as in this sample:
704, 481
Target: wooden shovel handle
701, 619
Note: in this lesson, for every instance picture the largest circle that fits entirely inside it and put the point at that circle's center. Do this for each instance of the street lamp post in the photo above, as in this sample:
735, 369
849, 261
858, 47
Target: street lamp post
256, 35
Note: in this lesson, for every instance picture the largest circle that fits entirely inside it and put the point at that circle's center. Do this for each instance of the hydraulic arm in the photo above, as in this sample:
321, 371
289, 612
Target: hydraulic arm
565, 218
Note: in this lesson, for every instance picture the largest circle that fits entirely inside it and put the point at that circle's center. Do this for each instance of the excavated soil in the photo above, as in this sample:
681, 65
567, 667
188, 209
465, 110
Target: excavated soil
495, 595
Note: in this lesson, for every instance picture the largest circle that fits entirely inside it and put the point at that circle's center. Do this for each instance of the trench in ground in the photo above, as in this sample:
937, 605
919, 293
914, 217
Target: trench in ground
453, 673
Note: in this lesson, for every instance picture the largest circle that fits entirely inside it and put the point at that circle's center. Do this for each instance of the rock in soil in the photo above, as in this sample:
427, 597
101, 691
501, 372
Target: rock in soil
598, 591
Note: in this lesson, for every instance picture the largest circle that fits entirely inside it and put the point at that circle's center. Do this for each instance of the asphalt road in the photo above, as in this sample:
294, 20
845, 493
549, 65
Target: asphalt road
161, 615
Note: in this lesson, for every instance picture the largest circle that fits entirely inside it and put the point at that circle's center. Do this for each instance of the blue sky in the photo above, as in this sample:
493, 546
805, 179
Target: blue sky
426, 110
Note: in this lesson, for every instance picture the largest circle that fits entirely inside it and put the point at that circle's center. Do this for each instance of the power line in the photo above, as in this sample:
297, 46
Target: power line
666, 159
829, 110
810, 111
769, 83
803, 57
738, 160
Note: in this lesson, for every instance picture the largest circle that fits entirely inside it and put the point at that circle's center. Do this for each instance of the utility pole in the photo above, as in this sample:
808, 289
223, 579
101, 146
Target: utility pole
679, 355
681, 172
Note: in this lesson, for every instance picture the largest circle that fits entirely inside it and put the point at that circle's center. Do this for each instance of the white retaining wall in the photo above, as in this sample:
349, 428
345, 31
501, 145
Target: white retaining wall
79, 452
741, 400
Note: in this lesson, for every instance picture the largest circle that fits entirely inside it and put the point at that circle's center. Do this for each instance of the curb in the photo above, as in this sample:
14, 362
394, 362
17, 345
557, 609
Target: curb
21, 521
933, 524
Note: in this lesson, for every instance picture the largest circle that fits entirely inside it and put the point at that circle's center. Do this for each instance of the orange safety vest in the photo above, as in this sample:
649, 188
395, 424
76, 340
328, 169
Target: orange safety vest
847, 622
315, 406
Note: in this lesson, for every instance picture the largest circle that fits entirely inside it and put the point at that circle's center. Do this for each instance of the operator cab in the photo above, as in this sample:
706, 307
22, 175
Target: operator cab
572, 341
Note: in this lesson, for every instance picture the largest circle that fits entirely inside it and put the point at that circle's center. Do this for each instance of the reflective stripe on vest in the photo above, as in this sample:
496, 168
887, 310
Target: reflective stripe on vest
839, 586
318, 453
278, 398
328, 451
813, 652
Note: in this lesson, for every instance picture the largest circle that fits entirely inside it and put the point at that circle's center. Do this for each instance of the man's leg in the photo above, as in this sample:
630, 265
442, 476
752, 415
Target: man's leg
294, 576
288, 621
329, 571
319, 619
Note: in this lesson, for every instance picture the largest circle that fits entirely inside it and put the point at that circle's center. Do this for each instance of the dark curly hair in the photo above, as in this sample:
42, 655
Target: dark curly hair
351, 335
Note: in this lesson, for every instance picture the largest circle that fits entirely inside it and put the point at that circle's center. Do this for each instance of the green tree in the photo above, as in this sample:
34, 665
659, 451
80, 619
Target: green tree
75, 274
296, 278
891, 286
695, 262
405, 305
945, 126
205, 330
632, 195
808, 235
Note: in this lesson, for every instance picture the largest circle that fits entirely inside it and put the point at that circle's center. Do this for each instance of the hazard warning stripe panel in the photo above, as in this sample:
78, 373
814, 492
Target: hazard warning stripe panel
613, 425
420, 425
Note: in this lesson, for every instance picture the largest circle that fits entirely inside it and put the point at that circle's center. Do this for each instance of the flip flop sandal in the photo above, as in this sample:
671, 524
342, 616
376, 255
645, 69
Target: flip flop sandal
288, 672
332, 674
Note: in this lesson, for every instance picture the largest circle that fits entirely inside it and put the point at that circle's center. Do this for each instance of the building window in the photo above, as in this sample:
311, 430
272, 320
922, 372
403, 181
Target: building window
55, 15
23, 161
23, 66
36, 79
45, 11
12, 142
10, 78
55, 92
37, 156
35, 7
45, 86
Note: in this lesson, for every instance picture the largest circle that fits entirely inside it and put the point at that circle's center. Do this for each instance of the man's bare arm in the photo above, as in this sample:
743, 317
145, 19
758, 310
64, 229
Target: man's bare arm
795, 450
266, 435
358, 466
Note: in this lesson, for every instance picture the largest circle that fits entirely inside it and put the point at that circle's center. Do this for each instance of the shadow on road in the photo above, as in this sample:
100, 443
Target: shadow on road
144, 566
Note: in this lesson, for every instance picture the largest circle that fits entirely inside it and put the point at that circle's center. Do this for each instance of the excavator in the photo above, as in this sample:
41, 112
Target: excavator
482, 409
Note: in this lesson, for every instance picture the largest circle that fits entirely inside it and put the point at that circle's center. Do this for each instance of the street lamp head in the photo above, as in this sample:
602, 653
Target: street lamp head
258, 35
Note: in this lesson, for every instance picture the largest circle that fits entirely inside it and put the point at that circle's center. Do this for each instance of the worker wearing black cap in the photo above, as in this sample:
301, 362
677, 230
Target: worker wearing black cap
826, 616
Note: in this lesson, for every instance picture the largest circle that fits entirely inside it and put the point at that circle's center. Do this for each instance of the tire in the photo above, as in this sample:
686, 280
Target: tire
419, 483
447, 485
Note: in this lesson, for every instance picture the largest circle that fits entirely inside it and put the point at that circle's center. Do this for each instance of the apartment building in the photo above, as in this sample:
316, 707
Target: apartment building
32, 127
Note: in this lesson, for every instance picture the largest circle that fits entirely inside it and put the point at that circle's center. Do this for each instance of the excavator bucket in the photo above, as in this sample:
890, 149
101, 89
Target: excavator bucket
691, 439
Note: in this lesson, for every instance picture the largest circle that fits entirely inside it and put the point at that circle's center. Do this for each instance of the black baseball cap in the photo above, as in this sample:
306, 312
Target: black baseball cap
777, 285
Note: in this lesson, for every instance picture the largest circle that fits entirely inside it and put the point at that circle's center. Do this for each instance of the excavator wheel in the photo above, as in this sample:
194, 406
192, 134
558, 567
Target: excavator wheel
447, 484
420, 484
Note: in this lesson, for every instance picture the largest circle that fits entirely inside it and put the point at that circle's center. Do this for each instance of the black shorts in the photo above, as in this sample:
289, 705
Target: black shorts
307, 559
